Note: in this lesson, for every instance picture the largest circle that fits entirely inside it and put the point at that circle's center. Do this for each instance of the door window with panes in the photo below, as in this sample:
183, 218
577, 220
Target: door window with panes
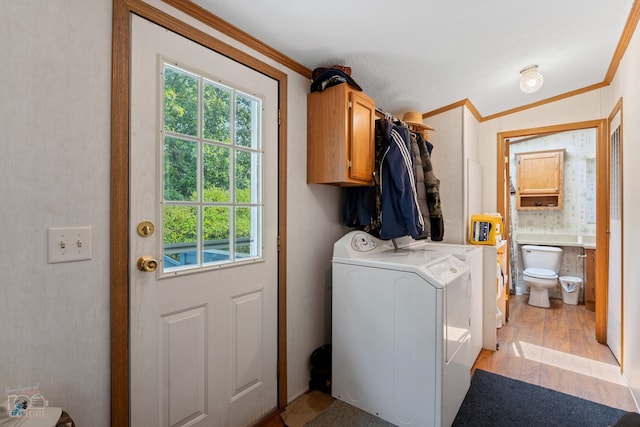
211, 164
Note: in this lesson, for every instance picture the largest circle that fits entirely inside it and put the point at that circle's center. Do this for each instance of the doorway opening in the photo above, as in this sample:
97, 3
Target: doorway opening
505, 156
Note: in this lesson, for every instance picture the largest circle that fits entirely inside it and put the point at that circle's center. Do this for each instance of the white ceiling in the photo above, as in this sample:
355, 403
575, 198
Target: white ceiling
422, 55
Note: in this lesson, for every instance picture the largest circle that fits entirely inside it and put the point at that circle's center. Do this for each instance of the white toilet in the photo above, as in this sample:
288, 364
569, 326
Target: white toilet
541, 268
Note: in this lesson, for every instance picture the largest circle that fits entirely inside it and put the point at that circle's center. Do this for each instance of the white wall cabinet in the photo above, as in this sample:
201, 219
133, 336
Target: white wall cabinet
454, 159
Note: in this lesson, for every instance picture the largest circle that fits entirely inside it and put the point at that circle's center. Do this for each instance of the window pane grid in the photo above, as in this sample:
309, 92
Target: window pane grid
211, 174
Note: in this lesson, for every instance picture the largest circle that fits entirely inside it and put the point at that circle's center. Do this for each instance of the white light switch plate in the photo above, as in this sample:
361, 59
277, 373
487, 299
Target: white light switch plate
69, 244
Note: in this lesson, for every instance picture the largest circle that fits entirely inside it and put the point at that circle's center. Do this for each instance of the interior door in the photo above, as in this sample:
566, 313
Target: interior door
614, 300
203, 324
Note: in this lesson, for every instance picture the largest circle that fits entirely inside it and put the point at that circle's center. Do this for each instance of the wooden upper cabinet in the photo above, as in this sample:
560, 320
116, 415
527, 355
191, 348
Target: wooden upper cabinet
340, 137
539, 179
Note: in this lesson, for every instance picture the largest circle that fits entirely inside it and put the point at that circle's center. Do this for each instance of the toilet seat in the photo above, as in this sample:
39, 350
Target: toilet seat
540, 273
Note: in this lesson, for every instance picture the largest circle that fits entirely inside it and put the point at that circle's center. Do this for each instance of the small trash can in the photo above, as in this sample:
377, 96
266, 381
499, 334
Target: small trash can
570, 289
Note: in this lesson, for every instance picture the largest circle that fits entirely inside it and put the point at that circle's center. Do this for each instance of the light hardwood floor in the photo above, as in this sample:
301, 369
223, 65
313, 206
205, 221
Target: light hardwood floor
556, 348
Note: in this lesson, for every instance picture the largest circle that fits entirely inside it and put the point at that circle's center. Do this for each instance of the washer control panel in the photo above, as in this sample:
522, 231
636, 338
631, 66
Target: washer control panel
363, 242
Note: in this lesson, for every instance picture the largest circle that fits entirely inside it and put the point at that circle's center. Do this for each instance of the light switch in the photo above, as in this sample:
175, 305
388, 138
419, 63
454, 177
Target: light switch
69, 244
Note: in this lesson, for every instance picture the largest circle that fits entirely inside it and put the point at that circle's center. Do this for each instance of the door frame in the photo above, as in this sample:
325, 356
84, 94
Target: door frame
602, 202
119, 185
617, 109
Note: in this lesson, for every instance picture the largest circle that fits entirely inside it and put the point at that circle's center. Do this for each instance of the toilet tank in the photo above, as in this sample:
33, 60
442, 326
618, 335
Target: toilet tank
548, 257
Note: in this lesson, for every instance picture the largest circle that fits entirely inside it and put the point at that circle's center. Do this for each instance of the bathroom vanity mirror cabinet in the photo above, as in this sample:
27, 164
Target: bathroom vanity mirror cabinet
539, 179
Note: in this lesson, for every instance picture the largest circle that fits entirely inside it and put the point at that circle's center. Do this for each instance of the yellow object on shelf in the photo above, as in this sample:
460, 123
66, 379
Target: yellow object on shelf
486, 229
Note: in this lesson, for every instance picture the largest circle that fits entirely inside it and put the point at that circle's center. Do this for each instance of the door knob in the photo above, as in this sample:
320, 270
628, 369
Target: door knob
147, 263
146, 228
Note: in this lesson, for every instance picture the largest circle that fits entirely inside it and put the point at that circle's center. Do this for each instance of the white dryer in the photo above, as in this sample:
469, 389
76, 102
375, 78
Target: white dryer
473, 256
400, 330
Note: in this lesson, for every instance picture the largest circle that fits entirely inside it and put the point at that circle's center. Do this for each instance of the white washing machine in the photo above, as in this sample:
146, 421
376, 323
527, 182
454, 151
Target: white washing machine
400, 330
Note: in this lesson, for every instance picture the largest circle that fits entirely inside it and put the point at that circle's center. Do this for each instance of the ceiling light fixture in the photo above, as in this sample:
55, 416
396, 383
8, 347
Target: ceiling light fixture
531, 79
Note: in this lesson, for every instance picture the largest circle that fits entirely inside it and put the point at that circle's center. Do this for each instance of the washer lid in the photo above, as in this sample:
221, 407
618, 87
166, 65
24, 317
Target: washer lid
541, 273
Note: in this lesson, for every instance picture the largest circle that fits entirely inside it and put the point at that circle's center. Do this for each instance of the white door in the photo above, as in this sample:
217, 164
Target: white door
203, 171
614, 310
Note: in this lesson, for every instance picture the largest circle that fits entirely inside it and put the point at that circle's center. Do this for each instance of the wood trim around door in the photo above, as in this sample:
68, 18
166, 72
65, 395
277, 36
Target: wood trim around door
602, 236
119, 216
617, 110
503, 152
119, 191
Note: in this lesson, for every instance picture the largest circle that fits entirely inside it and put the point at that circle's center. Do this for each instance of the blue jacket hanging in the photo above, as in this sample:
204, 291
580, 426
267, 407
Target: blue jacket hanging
399, 204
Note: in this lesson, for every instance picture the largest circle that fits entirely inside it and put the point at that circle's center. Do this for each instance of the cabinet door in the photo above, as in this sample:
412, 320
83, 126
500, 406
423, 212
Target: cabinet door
539, 177
362, 152
540, 173
503, 259
340, 136
590, 279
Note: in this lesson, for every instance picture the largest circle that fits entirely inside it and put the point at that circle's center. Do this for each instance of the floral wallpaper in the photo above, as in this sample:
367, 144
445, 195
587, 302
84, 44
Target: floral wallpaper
577, 217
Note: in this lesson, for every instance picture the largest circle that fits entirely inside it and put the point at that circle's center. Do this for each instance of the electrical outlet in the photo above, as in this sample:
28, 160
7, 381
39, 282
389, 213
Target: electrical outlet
69, 244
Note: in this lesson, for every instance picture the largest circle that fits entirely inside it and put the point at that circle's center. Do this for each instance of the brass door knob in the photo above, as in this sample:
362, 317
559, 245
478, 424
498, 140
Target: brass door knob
147, 263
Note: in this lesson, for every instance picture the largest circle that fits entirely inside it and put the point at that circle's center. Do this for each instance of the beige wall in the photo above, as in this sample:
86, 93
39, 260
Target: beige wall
54, 168
449, 166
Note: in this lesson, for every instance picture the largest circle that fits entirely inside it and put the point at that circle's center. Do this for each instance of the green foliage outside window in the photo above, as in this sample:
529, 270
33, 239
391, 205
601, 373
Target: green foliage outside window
185, 156
179, 223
